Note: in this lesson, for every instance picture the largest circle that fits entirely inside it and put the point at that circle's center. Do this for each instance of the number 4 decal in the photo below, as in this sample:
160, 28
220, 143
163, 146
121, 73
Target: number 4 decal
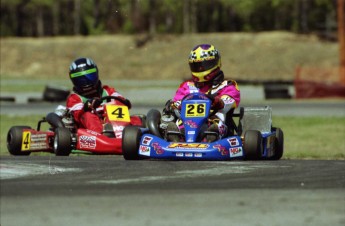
118, 113
26, 140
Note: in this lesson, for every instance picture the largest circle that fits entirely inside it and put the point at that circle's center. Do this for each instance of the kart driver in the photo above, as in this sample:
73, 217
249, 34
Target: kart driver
87, 91
208, 78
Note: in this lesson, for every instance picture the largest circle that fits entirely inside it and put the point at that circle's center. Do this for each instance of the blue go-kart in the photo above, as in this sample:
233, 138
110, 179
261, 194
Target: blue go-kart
252, 138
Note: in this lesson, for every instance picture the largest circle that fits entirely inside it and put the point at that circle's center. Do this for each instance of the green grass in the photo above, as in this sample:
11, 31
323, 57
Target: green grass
305, 137
313, 137
264, 55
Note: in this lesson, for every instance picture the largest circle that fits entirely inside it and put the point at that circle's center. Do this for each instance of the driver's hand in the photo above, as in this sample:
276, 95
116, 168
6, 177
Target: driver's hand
92, 104
217, 103
176, 105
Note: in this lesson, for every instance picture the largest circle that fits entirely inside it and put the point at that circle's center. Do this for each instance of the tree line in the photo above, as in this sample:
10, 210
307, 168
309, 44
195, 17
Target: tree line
39, 18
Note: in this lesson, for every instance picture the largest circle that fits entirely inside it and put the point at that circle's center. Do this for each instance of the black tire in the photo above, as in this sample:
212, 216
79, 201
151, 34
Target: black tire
62, 142
14, 140
276, 91
55, 94
279, 145
130, 143
253, 147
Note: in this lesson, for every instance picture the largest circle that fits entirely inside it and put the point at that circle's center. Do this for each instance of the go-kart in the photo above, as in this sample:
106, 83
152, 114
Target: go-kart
253, 138
63, 136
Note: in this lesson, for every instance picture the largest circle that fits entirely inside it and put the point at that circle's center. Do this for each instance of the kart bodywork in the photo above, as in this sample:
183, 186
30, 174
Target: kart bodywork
253, 138
63, 136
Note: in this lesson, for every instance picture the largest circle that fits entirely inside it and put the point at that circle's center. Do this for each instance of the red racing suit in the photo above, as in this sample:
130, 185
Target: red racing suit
85, 119
227, 91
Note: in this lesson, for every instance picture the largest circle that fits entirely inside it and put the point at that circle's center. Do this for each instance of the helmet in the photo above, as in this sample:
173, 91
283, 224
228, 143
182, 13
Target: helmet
204, 62
83, 73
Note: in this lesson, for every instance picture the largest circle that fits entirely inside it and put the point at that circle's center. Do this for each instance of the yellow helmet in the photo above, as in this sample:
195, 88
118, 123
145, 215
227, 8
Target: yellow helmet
204, 61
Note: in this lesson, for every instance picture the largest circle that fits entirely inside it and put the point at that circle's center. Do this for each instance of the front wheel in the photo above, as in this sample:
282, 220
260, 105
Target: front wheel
15, 140
253, 147
62, 142
130, 143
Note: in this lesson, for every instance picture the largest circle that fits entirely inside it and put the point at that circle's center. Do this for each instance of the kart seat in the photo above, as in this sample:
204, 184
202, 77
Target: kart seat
108, 130
230, 123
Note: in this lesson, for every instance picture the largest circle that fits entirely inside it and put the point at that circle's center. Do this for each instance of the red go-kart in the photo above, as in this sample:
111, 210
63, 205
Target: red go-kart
63, 136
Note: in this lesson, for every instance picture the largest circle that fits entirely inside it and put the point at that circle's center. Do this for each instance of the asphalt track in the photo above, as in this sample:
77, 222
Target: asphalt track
107, 190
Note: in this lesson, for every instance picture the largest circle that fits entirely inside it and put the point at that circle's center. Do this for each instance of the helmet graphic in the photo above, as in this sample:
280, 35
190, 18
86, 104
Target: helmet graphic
204, 62
83, 73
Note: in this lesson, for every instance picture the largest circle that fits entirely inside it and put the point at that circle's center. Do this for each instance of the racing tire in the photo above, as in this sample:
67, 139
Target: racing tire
130, 143
279, 145
253, 147
14, 140
55, 94
62, 142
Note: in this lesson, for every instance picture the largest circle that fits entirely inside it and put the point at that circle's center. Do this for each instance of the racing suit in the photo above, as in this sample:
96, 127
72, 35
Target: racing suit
227, 91
86, 119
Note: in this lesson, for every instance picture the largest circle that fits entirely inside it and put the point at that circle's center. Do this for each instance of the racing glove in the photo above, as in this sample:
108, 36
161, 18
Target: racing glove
217, 103
176, 105
167, 110
92, 104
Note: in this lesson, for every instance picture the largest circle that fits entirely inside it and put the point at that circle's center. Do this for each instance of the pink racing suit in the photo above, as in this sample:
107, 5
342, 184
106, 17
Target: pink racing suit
228, 91
88, 120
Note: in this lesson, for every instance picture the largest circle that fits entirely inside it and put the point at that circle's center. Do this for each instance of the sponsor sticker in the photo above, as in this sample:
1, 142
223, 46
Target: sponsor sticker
158, 148
198, 155
233, 142
236, 152
188, 146
87, 142
147, 140
221, 149
144, 150
179, 154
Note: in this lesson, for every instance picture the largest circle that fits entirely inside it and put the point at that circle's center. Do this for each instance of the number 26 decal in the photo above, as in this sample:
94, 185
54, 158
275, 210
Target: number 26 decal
195, 110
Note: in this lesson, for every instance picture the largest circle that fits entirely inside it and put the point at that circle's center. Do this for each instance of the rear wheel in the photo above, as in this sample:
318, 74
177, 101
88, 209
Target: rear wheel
15, 139
253, 147
278, 145
62, 142
130, 142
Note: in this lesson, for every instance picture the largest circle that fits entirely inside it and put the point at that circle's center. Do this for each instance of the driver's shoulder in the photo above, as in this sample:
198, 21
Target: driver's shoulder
108, 89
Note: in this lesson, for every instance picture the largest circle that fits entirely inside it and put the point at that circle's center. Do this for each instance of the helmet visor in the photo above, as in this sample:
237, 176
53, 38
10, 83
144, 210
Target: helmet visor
203, 65
85, 78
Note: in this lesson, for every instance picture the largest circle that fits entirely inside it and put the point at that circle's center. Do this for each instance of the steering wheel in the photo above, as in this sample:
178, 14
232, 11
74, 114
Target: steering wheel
122, 100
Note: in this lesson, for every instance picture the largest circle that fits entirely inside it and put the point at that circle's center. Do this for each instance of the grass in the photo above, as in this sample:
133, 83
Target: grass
266, 55
313, 137
305, 138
